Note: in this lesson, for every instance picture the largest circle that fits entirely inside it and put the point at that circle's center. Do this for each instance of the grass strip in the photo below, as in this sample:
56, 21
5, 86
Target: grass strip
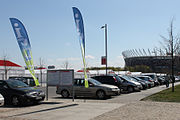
165, 95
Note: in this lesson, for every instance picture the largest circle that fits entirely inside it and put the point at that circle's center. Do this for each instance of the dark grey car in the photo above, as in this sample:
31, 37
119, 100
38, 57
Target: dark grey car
96, 89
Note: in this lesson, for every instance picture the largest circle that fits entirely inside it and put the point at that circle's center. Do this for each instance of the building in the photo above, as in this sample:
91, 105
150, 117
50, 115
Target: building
8, 68
158, 63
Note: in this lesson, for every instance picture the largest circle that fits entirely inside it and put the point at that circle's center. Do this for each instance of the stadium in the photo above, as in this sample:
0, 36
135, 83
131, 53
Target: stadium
158, 62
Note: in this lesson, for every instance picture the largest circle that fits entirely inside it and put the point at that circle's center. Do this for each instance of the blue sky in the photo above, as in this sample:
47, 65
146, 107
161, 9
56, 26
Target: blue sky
132, 24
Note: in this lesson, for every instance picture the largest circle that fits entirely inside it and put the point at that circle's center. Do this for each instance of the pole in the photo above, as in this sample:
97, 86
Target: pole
47, 86
105, 27
106, 45
172, 57
41, 75
73, 84
41, 71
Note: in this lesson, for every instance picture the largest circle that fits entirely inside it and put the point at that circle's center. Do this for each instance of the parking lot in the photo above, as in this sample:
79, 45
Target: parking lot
80, 109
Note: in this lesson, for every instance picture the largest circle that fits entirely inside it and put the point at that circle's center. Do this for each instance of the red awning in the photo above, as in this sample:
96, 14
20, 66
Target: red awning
8, 63
82, 71
40, 68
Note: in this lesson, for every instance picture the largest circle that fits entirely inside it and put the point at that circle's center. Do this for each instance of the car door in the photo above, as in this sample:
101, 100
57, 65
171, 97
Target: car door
77, 87
80, 89
86, 91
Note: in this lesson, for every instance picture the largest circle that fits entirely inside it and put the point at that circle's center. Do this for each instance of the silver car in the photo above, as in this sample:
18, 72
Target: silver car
96, 89
147, 78
1, 100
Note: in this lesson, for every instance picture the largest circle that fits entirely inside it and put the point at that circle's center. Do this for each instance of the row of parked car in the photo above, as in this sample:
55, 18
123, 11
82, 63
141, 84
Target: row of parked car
103, 86
19, 91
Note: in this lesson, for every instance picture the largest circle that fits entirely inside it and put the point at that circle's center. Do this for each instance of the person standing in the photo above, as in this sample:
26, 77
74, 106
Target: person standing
167, 81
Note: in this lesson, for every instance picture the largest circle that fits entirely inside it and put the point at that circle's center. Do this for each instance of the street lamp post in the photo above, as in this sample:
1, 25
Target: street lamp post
172, 58
105, 27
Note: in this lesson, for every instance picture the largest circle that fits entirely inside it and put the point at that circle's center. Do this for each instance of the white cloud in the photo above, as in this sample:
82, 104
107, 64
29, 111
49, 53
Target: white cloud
90, 57
118, 62
120, 57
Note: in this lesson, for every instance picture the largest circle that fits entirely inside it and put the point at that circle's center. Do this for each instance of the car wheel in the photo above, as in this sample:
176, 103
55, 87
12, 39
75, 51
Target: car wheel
15, 101
130, 89
65, 93
101, 94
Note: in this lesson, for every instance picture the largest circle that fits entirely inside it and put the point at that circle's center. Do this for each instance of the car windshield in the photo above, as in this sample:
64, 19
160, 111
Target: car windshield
145, 78
126, 78
152, 76
139, 79
133, 79
93, 81
16, 84
118, 78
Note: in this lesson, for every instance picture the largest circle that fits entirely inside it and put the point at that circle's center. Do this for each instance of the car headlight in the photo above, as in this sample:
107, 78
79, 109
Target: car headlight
114, 89
32, 94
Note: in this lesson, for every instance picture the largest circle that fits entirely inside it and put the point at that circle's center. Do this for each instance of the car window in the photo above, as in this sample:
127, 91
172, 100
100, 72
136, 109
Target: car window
119, 79
105, 79
99, 78
138, 79
16, 84
133, 79
126, 78
111, 80
95, 82
79, 82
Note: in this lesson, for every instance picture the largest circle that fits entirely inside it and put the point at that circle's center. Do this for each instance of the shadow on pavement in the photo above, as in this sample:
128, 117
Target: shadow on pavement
44, 110
30, 105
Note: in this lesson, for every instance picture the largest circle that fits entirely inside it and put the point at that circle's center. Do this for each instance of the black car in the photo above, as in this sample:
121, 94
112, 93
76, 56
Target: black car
116, 80
143, 83
17, 93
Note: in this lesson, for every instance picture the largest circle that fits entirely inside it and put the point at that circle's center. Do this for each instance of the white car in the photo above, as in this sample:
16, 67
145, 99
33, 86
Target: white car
1, 100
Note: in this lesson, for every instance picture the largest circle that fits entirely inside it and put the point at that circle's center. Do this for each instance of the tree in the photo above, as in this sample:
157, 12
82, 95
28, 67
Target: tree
171, 46
66, 64
139, 68
6, 69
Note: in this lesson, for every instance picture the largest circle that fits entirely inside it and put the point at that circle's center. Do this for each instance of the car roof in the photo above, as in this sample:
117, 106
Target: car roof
105, 75
143, 76
9, 80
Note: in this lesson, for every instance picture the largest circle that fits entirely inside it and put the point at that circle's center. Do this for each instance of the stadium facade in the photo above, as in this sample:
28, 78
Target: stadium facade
157, 62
